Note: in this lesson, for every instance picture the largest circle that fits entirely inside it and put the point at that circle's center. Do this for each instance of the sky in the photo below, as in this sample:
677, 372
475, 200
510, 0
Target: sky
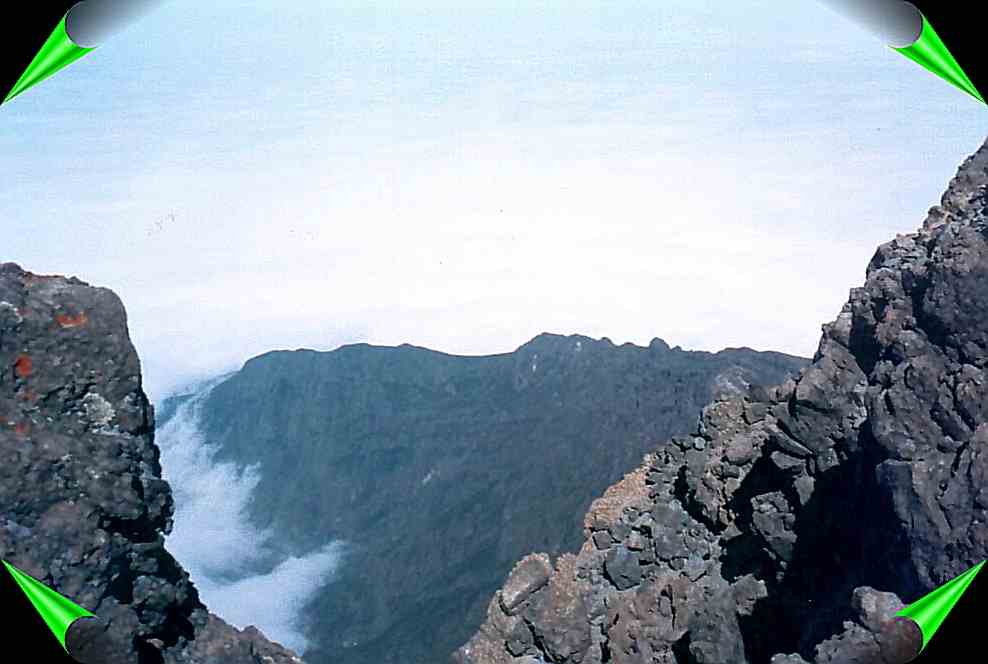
463, 176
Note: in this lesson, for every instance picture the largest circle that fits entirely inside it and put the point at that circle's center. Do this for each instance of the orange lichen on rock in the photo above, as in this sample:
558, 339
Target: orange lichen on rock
69, 321
23, 367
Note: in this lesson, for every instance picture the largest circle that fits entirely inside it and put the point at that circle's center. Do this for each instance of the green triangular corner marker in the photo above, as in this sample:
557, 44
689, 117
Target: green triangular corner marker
930, 52
58, 52
57, 611
931, 610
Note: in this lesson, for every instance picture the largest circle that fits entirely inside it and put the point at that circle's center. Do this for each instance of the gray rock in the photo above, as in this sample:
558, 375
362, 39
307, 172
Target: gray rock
875, 608
528, 576
787, 659
83, 507
622, 568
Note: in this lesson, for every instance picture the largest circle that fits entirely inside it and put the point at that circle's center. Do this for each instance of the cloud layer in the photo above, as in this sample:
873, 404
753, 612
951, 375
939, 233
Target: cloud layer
235, 567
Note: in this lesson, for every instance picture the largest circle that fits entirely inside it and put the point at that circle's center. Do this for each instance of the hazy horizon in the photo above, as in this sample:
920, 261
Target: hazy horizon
251, 176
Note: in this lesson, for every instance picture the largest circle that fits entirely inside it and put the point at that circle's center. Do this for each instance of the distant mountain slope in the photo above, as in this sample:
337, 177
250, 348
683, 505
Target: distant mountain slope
83, 507
439, 471
793, 522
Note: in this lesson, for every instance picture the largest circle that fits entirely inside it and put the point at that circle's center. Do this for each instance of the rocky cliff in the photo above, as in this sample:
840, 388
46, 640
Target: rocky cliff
439, 471
82, 504
780, 529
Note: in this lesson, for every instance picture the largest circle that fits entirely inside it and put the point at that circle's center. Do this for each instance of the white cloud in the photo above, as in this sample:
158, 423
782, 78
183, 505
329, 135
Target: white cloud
214, 540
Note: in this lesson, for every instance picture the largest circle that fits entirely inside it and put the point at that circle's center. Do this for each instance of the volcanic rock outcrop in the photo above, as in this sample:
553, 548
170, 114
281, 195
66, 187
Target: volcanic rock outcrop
83, 507
780, 528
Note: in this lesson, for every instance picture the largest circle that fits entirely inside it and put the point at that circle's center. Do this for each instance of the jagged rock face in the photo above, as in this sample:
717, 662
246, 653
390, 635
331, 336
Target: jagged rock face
763, 536
83, 507
430, 466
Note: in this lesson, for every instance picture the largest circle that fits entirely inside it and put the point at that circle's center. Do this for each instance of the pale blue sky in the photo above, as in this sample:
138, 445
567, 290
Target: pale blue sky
252, 175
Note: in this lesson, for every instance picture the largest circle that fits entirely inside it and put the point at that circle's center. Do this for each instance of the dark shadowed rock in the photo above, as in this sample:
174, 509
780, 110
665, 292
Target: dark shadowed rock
83, 507
791, 533
900, 641
89, 641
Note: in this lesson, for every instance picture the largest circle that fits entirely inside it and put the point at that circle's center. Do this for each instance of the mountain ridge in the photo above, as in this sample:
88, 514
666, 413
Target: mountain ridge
407, 453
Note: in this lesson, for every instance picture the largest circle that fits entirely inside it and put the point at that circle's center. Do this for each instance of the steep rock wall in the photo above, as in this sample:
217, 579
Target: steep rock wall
83, 507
